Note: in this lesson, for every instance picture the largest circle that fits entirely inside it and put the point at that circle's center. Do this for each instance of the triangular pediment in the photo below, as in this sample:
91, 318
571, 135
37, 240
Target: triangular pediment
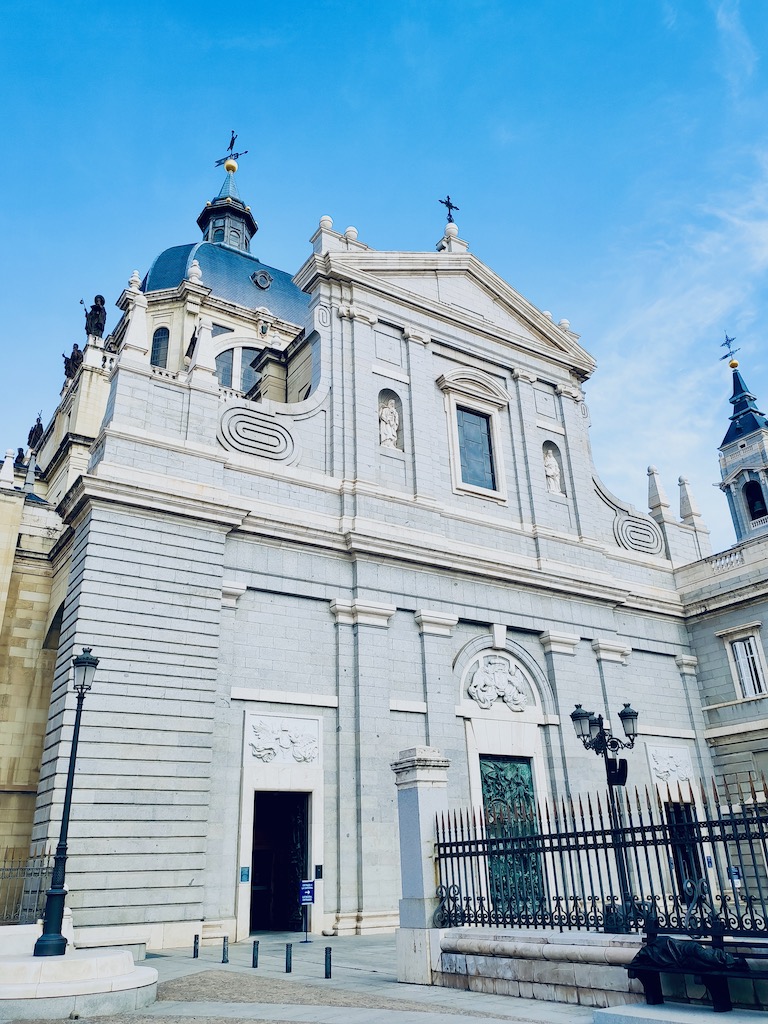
461, 289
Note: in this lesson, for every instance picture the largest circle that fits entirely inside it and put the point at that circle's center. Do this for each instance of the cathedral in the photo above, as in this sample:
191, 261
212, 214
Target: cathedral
307, 520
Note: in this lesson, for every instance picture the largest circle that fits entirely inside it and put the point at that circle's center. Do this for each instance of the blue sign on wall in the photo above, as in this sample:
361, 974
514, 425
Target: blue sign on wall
245, 874
306, 892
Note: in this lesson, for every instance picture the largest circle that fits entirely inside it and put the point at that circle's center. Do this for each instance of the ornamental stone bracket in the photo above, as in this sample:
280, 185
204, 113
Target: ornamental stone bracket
611, 650
559, 643
347, 311
411, 334
231, 592
687, 664
435, 623
362, 613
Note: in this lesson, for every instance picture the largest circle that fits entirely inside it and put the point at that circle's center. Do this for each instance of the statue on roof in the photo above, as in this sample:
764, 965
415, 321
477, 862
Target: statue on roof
95, 317
33, 438
72, 363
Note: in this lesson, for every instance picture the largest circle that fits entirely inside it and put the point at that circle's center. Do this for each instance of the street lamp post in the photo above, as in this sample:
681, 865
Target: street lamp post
52, 942
591, 730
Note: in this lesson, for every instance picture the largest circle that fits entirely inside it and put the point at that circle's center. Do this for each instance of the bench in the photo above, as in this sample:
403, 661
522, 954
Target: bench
712, 964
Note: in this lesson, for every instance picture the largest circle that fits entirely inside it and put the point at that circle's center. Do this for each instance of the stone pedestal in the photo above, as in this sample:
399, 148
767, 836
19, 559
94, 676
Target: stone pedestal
85, 982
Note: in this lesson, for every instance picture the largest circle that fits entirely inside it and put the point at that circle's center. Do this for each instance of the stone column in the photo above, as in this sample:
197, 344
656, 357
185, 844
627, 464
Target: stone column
421, 777
365, 870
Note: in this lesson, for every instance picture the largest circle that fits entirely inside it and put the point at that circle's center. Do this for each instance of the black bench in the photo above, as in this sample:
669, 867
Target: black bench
712, 964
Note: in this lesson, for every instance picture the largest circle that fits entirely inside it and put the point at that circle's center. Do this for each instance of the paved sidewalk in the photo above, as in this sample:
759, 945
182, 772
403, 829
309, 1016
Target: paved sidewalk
363, 989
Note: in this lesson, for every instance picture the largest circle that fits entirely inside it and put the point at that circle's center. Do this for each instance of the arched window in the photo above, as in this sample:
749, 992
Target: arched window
218, 235
159, 355
753, 495
234, 369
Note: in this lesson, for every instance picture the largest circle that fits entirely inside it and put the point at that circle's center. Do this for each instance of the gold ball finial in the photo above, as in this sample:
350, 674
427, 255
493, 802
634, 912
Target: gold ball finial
230, 165
733, 363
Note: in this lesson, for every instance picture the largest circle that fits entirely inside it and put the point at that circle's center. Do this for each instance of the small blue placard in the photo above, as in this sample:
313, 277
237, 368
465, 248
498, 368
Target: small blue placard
245, 874
306, 892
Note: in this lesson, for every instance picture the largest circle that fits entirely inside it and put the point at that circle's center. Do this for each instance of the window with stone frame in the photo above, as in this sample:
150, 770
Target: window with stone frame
473, 402
746, 659
475, 448
159, 354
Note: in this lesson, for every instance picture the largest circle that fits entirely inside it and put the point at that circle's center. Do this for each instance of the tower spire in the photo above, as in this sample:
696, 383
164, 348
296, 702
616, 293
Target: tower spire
226, 220
744, 461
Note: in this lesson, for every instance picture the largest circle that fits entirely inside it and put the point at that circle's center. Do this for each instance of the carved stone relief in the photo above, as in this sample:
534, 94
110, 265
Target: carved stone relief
494, 677
670, 764
271, 739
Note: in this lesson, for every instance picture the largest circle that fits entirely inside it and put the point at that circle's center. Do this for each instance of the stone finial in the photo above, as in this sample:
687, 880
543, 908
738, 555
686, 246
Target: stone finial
134, 282
195, 275
689, 510
351, 234
450, 242
6, 472
547, 313
564, 325
657, 498
326, 222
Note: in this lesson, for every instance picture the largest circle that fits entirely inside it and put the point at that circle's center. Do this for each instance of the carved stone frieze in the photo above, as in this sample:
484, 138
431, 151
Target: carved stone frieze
283, 740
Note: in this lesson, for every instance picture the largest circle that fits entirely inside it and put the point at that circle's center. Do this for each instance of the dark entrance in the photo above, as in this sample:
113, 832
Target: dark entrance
280, 841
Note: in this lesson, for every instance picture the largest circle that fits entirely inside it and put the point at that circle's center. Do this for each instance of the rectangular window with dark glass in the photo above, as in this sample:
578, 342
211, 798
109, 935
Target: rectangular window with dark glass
475, 448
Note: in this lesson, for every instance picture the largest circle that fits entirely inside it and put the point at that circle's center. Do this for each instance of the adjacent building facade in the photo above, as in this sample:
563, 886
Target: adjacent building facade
308, 521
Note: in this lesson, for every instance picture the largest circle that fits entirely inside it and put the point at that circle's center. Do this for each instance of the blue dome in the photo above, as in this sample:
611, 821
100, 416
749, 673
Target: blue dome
229, 274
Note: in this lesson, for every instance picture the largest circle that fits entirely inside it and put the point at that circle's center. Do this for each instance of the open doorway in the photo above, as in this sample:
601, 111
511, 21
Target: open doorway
279, 860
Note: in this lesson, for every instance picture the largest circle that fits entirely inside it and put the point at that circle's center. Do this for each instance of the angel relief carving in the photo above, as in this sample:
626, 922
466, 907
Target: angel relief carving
496, 678
671, 764
281, 740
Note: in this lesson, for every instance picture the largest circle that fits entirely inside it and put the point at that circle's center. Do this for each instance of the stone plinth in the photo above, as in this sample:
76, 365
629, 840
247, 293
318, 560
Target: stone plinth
89, 983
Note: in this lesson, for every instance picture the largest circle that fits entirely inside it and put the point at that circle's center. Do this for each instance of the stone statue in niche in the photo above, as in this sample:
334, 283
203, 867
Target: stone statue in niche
495, 678
389, 423
95, 317
552, 472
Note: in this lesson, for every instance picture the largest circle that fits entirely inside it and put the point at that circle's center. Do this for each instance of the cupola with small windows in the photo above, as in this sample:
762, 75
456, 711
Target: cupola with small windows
744, 462
226, 220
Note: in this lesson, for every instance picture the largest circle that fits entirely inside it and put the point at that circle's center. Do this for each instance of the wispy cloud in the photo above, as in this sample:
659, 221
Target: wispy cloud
661, 393
738, 57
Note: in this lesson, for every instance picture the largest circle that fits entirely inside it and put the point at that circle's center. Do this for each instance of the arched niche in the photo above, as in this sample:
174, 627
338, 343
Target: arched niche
755, 499
554, 475
390, 415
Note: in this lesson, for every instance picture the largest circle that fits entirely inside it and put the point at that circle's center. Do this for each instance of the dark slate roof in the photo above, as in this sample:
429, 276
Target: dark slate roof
227, 272
746, 418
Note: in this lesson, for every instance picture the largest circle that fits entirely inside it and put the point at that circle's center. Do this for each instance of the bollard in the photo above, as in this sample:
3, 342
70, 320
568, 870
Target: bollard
288, 957
255, 962
327, 961
196, 948
225, 950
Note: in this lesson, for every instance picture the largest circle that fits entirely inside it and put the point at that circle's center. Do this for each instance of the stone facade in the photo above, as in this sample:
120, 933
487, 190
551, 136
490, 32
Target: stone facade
285, 588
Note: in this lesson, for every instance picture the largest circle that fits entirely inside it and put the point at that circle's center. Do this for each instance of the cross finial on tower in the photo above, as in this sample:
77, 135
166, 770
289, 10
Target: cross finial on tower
449, 206
728, 343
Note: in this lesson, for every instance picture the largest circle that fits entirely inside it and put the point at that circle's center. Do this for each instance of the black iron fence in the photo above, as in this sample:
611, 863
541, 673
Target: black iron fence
23, 882
681, 859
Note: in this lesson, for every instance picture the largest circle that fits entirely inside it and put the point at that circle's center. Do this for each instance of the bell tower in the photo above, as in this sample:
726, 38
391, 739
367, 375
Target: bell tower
744, 462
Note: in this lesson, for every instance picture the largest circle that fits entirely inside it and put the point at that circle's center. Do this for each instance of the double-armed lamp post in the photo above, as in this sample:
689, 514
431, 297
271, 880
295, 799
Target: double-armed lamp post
591, 730
52, 942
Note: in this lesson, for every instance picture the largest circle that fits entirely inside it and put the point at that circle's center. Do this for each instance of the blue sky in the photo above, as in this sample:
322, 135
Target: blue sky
610, 160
